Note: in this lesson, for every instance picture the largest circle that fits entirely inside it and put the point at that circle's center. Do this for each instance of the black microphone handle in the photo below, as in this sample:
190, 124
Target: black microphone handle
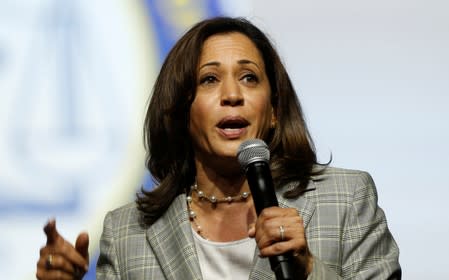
260, 183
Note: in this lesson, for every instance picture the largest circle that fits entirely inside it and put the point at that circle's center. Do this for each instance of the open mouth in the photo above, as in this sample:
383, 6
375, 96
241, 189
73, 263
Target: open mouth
232, 123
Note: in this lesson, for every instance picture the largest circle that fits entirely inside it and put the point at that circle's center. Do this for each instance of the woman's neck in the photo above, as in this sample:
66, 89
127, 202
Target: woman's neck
220, 182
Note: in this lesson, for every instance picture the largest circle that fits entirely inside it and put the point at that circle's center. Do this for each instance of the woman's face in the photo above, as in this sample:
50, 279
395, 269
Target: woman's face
232, 100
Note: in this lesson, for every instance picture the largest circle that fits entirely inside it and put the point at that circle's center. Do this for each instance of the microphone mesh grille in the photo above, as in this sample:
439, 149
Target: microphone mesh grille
251, 151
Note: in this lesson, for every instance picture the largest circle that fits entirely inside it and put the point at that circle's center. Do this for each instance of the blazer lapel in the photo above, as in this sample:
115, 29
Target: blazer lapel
262, 269
172, 242
305, 207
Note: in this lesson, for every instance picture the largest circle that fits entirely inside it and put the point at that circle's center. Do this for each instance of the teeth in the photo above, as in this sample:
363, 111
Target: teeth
231, 128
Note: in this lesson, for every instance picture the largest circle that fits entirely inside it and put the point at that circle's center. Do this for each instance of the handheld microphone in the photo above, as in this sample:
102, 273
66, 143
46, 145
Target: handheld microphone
254, 155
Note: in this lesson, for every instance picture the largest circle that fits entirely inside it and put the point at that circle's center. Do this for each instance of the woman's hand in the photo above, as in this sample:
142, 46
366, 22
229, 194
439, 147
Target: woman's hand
59, 259
279, 230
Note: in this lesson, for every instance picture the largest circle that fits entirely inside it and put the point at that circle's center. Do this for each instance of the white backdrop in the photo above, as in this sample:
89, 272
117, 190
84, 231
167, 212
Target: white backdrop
373, 77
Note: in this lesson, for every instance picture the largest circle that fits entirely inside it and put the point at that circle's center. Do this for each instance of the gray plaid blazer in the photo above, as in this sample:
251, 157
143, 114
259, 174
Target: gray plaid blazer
345, 229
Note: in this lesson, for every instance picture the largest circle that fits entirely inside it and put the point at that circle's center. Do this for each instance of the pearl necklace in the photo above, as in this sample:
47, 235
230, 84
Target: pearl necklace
212, 199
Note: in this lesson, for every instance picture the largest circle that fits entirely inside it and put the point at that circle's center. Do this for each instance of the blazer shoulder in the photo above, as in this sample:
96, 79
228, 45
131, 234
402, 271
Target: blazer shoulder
334, 180
126, 217
326, 173
127, 209
336, 171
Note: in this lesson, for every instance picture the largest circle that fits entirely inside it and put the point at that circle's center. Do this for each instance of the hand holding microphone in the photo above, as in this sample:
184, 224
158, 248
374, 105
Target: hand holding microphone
279, 232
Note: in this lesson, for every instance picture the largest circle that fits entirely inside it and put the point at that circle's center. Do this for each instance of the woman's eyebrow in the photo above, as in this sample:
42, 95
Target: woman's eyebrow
212, 63
241, 61
246, 61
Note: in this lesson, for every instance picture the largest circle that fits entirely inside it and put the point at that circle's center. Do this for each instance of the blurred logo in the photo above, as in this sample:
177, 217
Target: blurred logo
63, 120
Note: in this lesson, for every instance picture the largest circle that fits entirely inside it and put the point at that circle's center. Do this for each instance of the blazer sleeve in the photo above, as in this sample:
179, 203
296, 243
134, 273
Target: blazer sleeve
369, 250
107, 265
367, 247
321, 271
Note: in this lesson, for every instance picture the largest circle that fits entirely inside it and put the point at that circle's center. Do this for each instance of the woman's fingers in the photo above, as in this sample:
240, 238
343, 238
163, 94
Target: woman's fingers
279, 230
51, 232
56, 244
280, 247
61, 260
277, 212
66, 251
56, 262
54, 275
82, 245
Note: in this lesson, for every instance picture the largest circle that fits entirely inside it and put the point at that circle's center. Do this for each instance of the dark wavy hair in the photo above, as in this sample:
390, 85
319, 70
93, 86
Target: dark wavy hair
170, 156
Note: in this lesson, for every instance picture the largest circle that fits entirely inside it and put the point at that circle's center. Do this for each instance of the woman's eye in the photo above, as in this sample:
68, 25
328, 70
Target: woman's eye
209, 79
250, 78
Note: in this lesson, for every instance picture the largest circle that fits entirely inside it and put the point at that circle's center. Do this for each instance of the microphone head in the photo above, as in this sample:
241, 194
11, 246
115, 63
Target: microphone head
252, 150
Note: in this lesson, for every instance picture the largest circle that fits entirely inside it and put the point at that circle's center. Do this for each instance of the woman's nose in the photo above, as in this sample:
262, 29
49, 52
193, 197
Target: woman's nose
231, 94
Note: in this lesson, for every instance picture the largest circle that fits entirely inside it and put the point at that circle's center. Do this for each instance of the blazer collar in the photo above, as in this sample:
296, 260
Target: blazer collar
172, 242
303, 203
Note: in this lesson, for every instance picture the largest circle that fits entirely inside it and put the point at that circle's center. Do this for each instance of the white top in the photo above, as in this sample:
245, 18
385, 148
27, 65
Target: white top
225, 260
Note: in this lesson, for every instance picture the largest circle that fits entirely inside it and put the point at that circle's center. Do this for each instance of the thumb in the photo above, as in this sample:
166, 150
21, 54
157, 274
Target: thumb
82, 245
51, 232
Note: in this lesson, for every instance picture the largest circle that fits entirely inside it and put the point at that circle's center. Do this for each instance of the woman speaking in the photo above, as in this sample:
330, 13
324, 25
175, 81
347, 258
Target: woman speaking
223, 83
